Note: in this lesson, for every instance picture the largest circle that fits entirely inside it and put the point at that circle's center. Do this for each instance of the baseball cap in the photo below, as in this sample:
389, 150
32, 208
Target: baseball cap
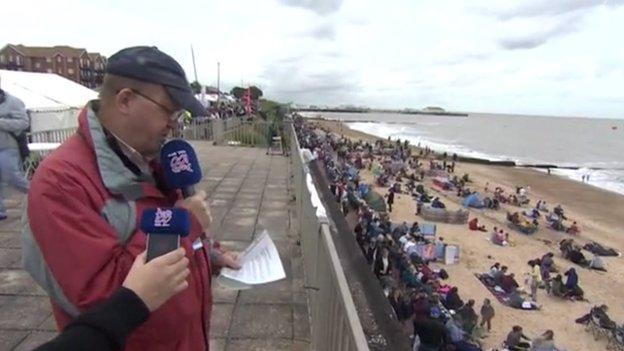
148, 64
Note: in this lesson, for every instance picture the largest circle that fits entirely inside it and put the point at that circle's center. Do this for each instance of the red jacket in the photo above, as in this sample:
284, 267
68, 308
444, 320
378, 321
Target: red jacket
82, 235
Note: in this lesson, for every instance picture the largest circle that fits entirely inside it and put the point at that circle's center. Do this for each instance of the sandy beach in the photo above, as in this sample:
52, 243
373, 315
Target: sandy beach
599, 213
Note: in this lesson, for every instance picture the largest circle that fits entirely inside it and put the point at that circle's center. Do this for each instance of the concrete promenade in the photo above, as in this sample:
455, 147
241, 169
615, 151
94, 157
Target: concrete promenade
249, 191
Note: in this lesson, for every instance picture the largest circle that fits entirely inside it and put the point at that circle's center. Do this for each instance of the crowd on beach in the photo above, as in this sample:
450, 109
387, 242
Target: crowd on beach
405, 256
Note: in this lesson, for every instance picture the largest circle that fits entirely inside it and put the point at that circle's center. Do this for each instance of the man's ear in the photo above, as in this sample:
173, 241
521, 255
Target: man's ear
123, 100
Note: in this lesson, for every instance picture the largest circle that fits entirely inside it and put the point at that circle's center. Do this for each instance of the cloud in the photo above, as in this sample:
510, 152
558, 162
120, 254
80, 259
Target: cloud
323, 32
540, 8
321, 7
522, 43
562, 26
293, 82
465, 57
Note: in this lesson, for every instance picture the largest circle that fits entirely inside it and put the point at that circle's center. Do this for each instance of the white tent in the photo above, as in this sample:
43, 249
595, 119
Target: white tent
52, 101
207, 99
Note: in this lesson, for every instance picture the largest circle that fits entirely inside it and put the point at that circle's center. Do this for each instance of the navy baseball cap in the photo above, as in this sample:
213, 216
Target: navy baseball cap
148, 64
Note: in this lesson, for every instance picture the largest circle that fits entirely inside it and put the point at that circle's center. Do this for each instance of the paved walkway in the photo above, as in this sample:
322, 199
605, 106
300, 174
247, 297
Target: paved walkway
249, 192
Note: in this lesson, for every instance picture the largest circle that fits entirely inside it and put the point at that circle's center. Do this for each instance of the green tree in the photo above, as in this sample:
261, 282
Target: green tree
196, 86
256, 93
238, 92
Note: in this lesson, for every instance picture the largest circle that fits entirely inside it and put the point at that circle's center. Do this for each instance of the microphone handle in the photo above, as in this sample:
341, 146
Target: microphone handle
188, 191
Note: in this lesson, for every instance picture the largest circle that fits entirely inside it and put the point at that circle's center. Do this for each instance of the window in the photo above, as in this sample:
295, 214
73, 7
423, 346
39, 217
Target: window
60, 71
70, 60
58, 59
37, 65
11, 58
48, 59
18, 59
1, 58
70, 71
49, 70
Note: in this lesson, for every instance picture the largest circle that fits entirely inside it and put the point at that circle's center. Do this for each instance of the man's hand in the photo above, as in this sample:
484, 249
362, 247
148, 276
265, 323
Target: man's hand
158, 280
198, 206
229, 259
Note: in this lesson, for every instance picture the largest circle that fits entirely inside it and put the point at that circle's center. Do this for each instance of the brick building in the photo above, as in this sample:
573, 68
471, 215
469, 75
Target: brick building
72, 63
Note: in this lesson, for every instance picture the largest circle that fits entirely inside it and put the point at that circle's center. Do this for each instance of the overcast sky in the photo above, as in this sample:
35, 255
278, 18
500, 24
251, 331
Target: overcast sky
548, 57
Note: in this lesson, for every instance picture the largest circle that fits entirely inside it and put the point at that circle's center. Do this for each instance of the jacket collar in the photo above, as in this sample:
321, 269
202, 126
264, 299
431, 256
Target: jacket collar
117, 178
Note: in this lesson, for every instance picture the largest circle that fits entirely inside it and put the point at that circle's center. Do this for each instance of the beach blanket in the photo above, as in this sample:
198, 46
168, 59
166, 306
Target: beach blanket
500, 295
443, 183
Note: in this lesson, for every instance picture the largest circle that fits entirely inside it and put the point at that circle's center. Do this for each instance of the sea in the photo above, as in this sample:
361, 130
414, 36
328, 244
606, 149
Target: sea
591, 147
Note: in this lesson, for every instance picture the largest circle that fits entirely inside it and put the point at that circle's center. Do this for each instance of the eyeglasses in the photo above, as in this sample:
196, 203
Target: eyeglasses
174, 116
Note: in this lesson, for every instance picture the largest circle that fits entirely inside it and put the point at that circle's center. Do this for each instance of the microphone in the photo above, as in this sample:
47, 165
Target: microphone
164, 226
182, 169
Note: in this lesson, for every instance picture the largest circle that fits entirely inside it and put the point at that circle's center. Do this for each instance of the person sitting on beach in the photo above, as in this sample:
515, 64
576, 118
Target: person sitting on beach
574, 291
494, 231
558, 210
546, 266
473, 224
557, 225
544, 342
499, 238
514, 218
508, 283
494, 271
415, 229
436, 203
565, 245
514, 339
409, 277
452, 300
498, 278
548, 263
533, 213
597, 263
575, 255
573, 229
557, 287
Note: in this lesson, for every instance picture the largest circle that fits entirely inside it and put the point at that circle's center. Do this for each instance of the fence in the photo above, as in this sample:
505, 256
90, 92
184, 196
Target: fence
52, 136
334, 319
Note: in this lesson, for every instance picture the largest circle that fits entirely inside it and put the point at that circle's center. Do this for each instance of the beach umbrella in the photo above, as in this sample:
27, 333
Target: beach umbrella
375, 201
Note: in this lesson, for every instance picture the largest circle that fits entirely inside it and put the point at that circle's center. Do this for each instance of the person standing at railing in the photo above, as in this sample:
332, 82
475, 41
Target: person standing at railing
13, 121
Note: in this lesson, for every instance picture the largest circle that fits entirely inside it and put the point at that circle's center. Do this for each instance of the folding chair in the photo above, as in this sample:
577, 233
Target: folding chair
428, 230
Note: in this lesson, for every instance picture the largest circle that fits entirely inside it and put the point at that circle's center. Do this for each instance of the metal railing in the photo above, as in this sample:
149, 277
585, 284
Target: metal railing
247, 133
335, 322
52, 136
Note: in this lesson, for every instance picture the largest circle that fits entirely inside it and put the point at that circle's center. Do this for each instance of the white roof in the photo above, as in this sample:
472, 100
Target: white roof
45, 91
207, 97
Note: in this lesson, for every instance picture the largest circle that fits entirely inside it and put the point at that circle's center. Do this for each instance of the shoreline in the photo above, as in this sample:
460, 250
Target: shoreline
597, 210
538, 167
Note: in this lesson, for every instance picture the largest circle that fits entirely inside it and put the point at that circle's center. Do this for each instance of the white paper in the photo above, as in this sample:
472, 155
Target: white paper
260, 264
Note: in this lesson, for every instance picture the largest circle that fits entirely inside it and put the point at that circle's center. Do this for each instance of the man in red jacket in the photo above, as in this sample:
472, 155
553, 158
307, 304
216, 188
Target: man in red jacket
81, 235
